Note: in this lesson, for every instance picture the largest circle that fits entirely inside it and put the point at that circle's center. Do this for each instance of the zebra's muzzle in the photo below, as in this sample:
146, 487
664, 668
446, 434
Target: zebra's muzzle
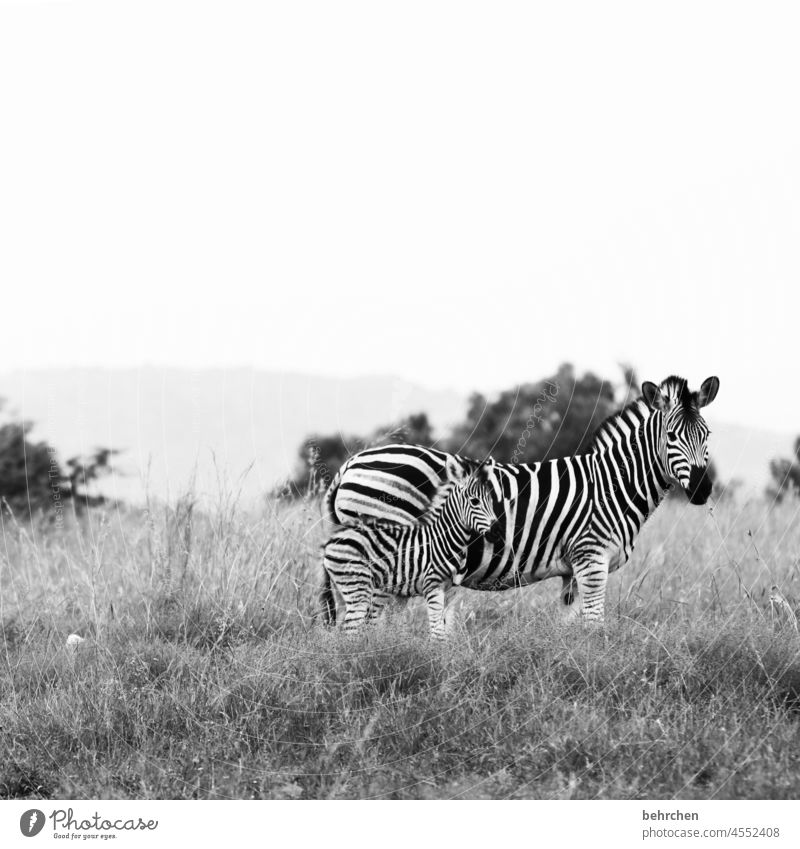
700, 485
495, 534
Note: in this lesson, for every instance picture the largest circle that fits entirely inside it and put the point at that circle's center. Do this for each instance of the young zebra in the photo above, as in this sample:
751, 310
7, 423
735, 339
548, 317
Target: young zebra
573, 517
369, 562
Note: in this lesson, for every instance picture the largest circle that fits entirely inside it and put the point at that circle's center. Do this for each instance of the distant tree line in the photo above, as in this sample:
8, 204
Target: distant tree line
33, 481
553, 417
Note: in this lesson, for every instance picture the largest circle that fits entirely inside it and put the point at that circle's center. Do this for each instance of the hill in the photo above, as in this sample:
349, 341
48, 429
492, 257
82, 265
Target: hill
173, 423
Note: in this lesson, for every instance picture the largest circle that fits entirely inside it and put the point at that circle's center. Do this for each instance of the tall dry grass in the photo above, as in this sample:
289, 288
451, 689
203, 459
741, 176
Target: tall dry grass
202, 673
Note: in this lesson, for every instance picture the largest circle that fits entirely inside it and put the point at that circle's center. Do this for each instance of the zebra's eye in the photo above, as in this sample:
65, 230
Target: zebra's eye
671, 435
475, 502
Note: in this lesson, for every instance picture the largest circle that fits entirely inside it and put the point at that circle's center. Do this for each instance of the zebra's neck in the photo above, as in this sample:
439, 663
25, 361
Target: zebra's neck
630, 476
448, 535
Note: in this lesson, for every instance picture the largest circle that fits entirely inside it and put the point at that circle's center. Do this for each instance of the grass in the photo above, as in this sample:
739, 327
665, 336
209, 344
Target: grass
202, 674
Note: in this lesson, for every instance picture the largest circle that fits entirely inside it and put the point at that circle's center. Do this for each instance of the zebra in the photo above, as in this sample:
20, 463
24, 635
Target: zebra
573, 517
369, 562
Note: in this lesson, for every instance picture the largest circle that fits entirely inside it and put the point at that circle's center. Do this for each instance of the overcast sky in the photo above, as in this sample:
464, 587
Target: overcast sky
462, 194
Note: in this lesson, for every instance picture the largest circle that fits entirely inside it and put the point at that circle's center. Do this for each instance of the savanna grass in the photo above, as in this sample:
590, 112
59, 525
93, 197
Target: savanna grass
203, 674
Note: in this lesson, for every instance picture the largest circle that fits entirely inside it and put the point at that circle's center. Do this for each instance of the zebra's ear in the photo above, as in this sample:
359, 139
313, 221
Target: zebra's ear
653, 395
708, 391
455, 471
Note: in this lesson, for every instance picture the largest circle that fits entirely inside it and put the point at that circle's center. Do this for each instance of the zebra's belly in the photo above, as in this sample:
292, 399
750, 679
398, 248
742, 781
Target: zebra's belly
513, 579
495, 570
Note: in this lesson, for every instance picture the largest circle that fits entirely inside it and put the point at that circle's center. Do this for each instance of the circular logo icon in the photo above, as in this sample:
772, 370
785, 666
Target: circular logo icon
31, 822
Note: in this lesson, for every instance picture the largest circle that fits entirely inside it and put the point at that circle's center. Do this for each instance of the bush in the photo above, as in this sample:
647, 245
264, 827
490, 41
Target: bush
320, 457
33, 481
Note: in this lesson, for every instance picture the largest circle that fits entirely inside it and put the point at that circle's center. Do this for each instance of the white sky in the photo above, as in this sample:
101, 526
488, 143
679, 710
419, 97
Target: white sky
463, 194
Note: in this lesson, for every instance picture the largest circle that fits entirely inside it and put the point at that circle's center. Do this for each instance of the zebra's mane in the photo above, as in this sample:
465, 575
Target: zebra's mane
675, 388
637, 409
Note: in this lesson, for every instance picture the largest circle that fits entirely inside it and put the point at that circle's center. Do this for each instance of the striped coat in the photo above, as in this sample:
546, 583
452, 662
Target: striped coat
574, 517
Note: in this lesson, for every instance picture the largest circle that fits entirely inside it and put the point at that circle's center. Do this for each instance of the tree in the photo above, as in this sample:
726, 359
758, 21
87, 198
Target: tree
554, 417
30, 474
320, 456
84, 471
415, 429
33, 481
785, 475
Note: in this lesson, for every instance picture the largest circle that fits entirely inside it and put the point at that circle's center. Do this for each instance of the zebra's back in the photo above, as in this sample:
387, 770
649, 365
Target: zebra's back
393, 483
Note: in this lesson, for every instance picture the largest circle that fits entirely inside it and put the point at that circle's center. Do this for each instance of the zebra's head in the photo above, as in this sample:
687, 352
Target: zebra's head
474, 494
683, 433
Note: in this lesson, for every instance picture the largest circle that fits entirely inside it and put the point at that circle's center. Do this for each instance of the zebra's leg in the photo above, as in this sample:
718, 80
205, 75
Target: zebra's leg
569, 590
569, 594
327, 600
452, 610
357, 594
591, 575
434, 597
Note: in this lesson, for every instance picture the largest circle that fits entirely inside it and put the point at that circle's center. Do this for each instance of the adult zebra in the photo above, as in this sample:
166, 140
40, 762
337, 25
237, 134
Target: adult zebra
573, 517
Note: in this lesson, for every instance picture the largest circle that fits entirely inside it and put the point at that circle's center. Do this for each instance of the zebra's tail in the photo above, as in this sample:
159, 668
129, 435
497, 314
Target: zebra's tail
329, 499
327, 602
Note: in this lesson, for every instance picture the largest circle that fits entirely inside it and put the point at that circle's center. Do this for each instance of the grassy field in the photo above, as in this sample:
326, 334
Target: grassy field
203, 676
